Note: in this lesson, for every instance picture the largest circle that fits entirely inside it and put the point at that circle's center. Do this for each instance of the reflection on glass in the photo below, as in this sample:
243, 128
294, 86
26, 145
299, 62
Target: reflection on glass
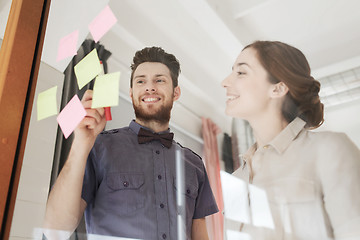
235, 235
236, 202
61, 235
260, 209
245, 203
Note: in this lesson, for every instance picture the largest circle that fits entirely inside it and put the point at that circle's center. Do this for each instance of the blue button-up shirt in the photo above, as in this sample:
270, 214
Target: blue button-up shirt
130, 187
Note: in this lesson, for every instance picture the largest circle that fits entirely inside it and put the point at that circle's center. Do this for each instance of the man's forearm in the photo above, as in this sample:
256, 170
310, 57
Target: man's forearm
199, 230
64, 208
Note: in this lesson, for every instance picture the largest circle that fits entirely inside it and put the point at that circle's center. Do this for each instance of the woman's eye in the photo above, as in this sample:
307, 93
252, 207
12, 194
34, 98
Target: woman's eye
140, 81
240, 73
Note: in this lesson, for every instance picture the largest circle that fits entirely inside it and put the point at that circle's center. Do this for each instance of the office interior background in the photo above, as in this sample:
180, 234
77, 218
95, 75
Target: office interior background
206, 36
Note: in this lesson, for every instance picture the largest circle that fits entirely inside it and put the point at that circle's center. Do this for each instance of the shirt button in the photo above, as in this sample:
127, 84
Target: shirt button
157, 152
162, 205
159, 177
266, 147
164, 236
126, 184
188, 191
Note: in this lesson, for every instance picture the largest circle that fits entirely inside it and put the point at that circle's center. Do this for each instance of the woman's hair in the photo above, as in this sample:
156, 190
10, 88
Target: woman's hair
156, 54
288, 64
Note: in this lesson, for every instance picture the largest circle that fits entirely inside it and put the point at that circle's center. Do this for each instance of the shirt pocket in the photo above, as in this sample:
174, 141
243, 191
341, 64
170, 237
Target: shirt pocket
295, 208
191, 192
125, 191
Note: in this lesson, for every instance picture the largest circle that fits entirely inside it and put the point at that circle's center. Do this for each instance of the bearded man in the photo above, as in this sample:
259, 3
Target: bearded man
124, 179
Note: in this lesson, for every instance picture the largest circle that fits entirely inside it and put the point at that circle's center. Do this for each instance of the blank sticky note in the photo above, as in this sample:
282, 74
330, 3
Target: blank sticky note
102, 23
88, 68
67, 46
106, 90
46, 103
71, 116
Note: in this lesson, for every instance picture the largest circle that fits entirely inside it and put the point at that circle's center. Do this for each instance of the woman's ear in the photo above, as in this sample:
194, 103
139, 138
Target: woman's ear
177, 93
279, 90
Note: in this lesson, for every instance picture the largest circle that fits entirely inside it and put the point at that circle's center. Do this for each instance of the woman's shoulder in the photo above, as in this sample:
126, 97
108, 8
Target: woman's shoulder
332, 142
329, 137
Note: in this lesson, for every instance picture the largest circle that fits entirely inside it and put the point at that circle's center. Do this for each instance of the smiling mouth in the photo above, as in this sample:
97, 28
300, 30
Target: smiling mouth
151, 99
231, 98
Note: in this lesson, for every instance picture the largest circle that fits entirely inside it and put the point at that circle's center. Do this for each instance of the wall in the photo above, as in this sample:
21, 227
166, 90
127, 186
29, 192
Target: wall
4, 12
344, 118
37, 163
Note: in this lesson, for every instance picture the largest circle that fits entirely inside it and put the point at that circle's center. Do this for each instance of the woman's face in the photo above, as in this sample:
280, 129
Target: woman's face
247, 87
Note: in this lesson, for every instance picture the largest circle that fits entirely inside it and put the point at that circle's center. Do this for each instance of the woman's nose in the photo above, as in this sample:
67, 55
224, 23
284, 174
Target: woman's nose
225, 82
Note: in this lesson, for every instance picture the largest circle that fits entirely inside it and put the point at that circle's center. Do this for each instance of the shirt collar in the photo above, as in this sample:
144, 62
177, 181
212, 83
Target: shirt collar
249, 153
135, 127
282, 141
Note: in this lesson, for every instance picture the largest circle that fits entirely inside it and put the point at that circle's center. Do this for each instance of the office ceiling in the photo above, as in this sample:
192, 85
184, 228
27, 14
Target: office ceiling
207, 35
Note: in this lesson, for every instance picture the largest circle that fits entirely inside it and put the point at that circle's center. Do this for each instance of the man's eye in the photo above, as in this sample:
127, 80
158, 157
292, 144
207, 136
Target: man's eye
159, 80
139, 81
240, 73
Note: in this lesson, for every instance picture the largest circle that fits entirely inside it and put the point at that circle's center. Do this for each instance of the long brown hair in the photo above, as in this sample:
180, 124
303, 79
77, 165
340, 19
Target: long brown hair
288, 64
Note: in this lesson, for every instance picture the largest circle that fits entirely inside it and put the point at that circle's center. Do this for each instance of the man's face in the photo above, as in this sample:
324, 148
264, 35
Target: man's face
152, 93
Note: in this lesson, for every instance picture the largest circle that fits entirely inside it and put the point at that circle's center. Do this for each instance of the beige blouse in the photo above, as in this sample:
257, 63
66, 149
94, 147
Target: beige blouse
311, 186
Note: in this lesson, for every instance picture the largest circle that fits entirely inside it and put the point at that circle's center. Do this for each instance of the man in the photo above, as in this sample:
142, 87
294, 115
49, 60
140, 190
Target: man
124, 183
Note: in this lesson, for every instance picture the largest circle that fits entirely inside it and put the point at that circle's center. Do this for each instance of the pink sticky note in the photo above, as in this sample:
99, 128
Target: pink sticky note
102, 23
71, 116
67, 46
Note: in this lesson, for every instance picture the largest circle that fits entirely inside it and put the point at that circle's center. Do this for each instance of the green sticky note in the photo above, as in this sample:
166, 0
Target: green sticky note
87, 69
106, 90
46, 103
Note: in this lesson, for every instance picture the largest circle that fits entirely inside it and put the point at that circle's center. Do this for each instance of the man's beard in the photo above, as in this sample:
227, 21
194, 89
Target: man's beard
162, 115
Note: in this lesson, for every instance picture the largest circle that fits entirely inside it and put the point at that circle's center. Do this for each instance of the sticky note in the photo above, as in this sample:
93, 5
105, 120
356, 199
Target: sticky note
106, 90
87, 69
46, 103
102, 23
71, 116
67, 46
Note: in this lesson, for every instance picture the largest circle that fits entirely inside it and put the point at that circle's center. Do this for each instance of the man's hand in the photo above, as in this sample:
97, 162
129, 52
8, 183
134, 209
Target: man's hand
93, 123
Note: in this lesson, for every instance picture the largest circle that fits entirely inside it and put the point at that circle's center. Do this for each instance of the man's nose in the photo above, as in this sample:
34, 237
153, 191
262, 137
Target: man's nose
150, 87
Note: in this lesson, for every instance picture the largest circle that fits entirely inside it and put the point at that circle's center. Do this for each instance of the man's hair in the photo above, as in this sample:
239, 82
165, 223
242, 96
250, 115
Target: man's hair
156, 54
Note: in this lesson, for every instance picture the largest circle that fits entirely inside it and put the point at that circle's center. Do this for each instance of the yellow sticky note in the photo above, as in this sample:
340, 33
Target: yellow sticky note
88, 68
106, 90
46, 103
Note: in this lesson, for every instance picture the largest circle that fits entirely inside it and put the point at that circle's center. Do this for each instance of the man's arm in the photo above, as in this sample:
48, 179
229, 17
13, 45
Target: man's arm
65, 206
198, 229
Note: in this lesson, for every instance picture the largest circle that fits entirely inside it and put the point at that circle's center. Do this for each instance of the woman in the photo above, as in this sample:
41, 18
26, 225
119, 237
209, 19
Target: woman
311, 179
